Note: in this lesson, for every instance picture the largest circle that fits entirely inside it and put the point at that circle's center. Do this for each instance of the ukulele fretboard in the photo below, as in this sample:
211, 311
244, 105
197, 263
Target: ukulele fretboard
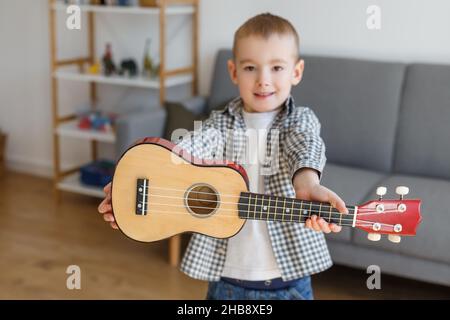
273, 208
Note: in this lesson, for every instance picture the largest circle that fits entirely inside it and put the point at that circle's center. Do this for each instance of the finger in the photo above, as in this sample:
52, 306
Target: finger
337, 202
107, 188
315, 225
323, 225
308, 223
114, 225
101, 208
108, 217
104, 207
335, 228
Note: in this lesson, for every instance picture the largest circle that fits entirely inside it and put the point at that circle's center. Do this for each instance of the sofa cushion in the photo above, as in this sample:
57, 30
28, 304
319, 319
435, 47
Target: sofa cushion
222, 88
352, 185
433, 236
424, 130
357, 103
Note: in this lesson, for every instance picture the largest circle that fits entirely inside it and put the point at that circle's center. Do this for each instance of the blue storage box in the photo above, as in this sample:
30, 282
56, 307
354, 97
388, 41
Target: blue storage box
97, 173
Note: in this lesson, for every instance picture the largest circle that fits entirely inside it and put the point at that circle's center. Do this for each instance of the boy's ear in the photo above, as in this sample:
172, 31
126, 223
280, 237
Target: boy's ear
232, 70
298, 72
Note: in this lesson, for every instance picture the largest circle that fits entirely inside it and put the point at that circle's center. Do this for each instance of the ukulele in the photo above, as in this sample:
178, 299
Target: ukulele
159, 190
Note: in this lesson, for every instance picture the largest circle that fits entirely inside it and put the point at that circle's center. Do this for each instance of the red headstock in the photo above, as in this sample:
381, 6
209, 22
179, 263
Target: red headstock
393, 217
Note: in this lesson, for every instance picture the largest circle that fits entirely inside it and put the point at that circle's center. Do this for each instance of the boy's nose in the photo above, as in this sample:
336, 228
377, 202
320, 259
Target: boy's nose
263, 80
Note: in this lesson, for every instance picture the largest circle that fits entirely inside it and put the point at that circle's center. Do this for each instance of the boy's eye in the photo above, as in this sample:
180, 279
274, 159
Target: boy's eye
249, 68
277, 68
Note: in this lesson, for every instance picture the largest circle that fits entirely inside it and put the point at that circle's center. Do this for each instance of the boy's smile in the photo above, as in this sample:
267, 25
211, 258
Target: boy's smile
265, 70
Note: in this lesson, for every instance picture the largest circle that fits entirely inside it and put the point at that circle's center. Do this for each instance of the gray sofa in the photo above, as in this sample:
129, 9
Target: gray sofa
384, 124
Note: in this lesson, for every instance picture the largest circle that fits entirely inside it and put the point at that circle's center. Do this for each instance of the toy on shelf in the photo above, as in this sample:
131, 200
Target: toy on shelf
150, 68
109, 67
96, 120
128, 67
123, 2
148, 62
97, 173
95, 68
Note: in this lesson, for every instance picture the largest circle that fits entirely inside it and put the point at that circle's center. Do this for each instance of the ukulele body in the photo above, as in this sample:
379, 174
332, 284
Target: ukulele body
176, 195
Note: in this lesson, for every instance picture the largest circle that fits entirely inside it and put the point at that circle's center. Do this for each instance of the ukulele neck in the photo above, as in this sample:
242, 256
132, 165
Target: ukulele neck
256, 206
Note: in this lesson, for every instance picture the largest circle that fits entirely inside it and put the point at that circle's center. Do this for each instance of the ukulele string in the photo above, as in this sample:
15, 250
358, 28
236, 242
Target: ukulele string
268, 207
257, 205
323, 205
229, 216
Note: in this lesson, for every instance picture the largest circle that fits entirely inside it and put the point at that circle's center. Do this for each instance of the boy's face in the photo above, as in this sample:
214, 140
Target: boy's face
265, 70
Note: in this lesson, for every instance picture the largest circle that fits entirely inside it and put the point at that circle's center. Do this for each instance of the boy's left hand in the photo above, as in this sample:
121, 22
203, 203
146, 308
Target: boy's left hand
307, 187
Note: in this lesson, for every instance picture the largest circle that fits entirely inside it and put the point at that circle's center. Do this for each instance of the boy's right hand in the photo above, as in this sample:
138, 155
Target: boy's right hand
105, 207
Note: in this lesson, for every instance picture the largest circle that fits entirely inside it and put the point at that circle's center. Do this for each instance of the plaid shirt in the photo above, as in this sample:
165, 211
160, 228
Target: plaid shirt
298, 251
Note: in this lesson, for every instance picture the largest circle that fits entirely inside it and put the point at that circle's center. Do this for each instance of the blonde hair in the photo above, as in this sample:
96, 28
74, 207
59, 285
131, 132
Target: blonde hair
265, 25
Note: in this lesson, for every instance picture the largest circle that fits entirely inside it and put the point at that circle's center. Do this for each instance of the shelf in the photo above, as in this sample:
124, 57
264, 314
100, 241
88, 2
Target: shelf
70, 129
138, 81
72, 183
170, 10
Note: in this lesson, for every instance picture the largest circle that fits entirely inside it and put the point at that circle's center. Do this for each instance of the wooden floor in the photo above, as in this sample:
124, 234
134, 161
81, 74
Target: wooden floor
39, 240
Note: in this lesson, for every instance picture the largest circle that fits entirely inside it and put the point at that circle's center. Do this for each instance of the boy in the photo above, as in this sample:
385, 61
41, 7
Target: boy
265, 260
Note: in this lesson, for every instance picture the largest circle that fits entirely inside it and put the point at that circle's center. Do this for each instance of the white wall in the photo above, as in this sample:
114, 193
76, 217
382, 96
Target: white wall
411, 30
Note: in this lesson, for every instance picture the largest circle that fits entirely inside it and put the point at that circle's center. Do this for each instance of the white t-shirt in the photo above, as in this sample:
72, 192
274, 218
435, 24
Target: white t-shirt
249, 253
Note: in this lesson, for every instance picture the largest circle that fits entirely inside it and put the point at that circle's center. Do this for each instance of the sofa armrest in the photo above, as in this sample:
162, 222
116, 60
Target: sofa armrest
136, 125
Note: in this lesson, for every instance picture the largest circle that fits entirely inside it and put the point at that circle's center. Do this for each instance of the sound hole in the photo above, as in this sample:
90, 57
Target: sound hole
202, 200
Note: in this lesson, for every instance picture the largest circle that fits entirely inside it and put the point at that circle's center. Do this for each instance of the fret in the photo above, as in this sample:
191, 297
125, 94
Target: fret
254, 207
249, 199
292, 209
243, 204
261, 207
310, 210
279, 209
320, 209
301, 215
274, 209
283, 210
329, 215
268, 210
301, 210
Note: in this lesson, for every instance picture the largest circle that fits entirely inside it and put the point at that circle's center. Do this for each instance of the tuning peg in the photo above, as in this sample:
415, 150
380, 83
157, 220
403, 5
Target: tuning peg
374, 236
402, 191
381, 191
393, 238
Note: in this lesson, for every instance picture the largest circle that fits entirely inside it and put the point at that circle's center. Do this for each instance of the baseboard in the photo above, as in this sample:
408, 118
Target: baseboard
30, 166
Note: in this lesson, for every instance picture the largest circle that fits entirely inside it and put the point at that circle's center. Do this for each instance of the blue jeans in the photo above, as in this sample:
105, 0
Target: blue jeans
221, 290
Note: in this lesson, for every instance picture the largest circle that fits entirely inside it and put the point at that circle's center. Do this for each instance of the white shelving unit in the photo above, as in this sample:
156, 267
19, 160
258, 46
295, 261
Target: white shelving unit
70, 129
69, 180
173, 10
137, 81
72, 183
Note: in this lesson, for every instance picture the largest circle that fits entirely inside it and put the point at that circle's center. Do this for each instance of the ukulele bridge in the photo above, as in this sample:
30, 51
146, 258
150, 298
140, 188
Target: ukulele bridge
141, 197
